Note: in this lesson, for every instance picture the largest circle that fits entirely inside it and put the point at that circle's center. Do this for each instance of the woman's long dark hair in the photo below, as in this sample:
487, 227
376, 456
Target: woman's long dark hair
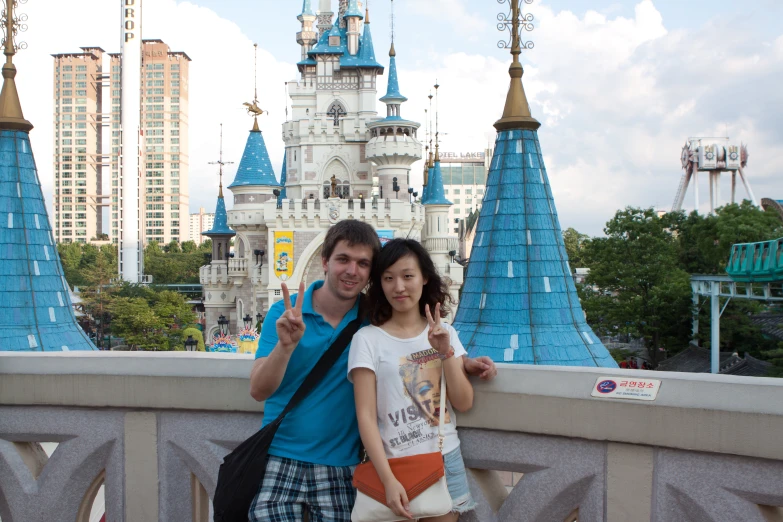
435, 291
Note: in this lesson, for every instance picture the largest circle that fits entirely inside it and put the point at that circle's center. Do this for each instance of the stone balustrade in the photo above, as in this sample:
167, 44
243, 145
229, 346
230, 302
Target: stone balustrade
213, 274
152, 428
314, 213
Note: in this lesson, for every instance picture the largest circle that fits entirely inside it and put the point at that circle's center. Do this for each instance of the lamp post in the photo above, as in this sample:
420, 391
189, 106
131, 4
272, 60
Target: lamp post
453, 254
191, 344
395, 188
223, 324
248, 321
410, 194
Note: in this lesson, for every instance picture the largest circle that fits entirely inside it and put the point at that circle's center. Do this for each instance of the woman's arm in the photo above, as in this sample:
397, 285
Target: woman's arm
458, 387
367, 415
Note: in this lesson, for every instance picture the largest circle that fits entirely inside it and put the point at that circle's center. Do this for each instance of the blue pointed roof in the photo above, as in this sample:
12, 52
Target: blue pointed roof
255, 168
353, 9
436, 195
365, 58
220, 227
283, 179
393, 95
519, 301
307, 8
36, 314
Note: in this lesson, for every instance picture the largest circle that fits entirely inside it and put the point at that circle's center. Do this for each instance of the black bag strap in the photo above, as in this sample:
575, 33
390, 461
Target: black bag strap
325, 363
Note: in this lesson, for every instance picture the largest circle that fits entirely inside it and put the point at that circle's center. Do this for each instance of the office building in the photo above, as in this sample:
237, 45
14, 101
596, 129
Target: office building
464, 180
199, 223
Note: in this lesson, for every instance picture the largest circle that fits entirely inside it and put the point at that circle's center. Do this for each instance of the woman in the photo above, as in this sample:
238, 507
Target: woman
395, 365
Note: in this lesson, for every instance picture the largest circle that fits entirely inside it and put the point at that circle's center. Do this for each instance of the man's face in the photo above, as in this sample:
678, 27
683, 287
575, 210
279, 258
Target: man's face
348, 270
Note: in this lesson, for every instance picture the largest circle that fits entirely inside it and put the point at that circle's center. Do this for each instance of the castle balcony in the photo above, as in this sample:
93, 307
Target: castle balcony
149, 431
394, 150
315, 213
214, 274
441, 244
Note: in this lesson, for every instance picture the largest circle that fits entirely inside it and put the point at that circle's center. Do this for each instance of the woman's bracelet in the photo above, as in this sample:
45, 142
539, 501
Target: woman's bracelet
448, 354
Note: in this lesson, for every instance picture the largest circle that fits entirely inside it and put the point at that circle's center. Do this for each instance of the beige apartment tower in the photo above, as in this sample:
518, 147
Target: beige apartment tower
87, 99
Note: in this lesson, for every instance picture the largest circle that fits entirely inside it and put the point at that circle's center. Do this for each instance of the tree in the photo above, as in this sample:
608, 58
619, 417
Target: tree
137, 323
641, 289
197, 335
98, 291
574, 241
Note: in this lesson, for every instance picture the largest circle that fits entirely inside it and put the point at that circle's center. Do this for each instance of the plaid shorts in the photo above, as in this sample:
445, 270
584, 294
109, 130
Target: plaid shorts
292, 487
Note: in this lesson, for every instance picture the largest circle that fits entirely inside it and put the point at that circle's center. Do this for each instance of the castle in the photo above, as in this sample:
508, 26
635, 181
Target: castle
342, 161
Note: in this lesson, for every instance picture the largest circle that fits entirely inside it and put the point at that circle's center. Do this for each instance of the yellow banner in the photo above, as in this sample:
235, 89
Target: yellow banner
284, 255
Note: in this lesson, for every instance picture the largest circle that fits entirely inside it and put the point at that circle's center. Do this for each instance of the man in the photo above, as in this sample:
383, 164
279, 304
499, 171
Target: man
317, 445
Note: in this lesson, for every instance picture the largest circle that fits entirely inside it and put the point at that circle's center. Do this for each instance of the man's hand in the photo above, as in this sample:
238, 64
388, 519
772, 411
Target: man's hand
482, 367
290, 327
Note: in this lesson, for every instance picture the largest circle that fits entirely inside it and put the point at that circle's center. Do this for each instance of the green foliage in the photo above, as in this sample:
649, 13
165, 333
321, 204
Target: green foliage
197, 335
574, 242
776, 358
175, 264
640, 274
643, 292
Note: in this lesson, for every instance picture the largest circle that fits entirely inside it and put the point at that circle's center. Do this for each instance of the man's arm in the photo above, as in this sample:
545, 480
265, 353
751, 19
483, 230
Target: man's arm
482, 367
283, 333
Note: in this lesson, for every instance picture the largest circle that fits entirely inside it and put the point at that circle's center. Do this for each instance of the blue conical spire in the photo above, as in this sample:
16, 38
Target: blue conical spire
353, 9
393, 95
283, 178
255, 168
307, 8
366, 55
220, 227
36, 314
436, 195
519, 301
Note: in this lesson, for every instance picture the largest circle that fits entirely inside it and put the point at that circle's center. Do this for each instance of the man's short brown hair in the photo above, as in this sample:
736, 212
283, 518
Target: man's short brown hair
353, 232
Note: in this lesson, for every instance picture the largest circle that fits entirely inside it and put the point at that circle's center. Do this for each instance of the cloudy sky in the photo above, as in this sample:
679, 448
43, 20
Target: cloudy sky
617, 85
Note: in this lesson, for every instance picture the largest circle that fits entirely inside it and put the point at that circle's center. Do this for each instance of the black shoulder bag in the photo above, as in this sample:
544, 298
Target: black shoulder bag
243, 470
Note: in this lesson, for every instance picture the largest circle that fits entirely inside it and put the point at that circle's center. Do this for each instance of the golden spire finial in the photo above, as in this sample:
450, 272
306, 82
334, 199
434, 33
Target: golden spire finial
516, 114
367, 13
11, 116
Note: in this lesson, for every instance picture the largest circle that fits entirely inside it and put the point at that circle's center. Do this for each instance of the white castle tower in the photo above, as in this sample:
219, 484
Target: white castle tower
393, 147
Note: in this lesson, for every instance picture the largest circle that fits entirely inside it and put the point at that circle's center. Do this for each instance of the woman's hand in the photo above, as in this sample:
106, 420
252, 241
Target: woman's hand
397, 499
438, 336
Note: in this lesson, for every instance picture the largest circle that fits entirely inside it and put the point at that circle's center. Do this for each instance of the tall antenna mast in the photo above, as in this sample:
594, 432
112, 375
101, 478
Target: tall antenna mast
221, 162
429, 124
255, 72
392, 22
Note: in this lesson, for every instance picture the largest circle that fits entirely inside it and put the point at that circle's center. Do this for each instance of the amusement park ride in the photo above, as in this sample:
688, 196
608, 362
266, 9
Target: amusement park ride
713, 156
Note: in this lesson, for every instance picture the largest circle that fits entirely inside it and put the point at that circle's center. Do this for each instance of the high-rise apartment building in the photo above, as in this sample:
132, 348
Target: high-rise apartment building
78, 143
84, 86
199, 223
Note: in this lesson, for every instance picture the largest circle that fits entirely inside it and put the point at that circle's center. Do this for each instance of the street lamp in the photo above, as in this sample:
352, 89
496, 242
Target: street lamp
395, 188
410, 194
453, 254
259, 318
191, 344
259, 255
223, 324
248, 321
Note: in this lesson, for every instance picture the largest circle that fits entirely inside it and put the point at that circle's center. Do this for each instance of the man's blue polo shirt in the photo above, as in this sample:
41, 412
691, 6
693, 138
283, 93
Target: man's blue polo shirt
323, 428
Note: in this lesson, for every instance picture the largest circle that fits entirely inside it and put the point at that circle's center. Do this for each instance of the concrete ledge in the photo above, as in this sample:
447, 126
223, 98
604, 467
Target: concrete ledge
719, 414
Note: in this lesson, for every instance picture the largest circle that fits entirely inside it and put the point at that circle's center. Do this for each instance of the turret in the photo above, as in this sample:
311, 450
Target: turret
325, 15
220, 234
353, 19
307, 37
255, 181
393, 146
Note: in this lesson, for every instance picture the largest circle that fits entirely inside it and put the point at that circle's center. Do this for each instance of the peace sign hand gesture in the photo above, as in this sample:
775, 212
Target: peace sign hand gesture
438, 336
290, 327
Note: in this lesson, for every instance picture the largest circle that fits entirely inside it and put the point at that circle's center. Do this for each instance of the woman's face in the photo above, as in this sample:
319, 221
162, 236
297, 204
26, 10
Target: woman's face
402, 284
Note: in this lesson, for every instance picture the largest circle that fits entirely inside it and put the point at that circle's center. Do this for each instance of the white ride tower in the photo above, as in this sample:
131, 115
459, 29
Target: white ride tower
712, 156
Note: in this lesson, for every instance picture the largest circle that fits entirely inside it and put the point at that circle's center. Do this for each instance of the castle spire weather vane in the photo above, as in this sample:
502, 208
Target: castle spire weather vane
252, 108
221, 162
516, 114
11, 116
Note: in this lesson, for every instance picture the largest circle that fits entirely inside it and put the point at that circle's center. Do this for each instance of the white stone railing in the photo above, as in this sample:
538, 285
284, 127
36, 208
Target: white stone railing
237, 266
153, 428
214, 274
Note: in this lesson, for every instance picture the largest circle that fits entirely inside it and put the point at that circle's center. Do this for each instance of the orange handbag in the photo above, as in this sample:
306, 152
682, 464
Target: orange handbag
423, 477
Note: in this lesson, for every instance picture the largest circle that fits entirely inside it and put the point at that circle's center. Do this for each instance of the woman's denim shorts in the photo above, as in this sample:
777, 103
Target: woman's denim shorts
457, 481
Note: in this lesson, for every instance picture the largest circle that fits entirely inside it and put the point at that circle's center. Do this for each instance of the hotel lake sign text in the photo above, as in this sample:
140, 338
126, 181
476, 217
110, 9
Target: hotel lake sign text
462, 157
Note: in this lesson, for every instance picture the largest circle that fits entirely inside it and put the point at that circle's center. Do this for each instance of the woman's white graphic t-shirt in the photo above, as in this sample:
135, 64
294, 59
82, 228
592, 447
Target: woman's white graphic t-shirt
407, 373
